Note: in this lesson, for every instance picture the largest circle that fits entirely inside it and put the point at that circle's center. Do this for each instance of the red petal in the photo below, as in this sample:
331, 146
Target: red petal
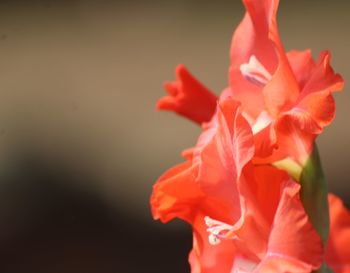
312, 113
297, 129
317, 82
170, 200
292, 236
261, 188
302, 65
222, 160
282, 90
338, 247
279, 264
251, 38
323, 77
221, 153
258, 35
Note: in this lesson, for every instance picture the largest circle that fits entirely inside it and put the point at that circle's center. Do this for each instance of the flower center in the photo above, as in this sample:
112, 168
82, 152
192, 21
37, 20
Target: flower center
219, 230
255, 72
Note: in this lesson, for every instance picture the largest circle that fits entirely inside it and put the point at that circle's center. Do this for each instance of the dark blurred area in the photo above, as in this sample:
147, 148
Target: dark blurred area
48, 227
80, 142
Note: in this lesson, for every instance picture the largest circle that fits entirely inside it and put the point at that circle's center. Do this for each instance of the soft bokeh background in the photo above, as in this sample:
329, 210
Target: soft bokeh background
81, 143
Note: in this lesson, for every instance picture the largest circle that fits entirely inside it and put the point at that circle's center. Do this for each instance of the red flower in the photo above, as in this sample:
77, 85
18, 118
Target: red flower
247, 214
286, 97
241, 215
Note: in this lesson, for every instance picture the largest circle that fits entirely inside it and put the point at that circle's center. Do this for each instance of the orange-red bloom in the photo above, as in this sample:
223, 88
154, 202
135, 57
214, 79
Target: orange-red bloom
244, 202
241, 214
286, 97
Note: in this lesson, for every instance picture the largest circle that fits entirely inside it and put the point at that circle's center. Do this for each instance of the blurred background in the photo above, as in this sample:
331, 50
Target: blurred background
81, 143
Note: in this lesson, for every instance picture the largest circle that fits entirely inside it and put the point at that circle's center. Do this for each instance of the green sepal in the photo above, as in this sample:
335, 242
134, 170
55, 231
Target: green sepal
323, 269
314, 195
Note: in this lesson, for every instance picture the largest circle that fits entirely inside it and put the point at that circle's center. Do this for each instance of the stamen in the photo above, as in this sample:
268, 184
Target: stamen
219, 230
255, 72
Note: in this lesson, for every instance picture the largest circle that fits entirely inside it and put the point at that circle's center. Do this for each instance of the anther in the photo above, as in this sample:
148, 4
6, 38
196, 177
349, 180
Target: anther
219, 230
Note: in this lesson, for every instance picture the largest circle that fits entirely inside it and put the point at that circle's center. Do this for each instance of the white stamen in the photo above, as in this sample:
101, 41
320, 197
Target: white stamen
255, 72
218, 230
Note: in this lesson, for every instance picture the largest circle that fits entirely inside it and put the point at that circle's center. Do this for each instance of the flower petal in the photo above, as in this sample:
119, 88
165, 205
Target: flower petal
338, 250
170, 200
209, 181
257, 36
281, 92
223, 158
302, 65
292, 236
297, 129
312, 113
275, 263
323, 77
251, 39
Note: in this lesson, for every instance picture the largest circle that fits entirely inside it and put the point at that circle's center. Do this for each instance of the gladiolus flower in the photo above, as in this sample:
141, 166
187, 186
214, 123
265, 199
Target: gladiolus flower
286, 97
253, 188
224, 197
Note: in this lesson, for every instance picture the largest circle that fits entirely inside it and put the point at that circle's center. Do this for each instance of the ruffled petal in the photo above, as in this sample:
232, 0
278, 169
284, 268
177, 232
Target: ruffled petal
291, 243
311, 76
302, 65
261, 187
176, 194
222, 159
257, 36
338, 247
315, 107
323, 77
312, 113
208, 181
282, 91
188, 97
293, 236
251, 39
297, 129
275, 263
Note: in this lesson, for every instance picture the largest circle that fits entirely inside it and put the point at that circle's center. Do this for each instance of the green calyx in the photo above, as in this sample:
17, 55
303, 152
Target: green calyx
314, 194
